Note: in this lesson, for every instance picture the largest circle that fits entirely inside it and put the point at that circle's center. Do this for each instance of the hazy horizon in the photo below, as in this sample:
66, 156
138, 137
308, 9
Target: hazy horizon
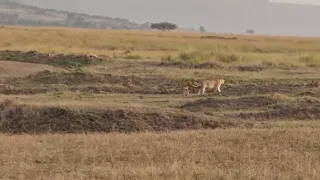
227, 16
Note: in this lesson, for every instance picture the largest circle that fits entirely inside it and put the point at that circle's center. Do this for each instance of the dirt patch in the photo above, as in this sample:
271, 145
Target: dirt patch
9, 69
243, 103
59, 60
29, 119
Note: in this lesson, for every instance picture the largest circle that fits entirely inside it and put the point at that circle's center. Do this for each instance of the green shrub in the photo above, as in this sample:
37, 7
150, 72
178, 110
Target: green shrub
197, 56
306, 59
227, 58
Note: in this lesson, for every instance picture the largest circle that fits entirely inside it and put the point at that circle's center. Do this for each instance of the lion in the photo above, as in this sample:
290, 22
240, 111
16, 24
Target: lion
210, 83
186, 89
188, 86
315, 84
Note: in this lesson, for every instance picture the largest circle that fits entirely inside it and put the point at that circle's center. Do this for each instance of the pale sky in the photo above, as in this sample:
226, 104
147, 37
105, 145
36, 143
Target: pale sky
225, 16
313, 2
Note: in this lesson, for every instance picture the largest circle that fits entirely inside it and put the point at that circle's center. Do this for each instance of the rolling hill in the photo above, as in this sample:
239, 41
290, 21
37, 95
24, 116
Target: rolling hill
14, 13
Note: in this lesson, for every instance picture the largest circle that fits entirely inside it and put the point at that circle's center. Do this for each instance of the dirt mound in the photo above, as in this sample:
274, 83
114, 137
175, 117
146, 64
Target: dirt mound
219, 37
60, 60
251, 68
309, 93
300, 113
245, 89
73, 78
242, 103
185, 65
300, 109
28, 119
95, 83
25, 91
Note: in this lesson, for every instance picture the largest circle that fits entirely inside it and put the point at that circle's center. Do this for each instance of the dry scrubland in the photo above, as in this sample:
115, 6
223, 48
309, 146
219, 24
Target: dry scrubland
264, 124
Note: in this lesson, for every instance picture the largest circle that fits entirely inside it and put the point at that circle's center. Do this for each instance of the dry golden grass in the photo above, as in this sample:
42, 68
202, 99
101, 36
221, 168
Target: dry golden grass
277, 153
269, 150
271, 51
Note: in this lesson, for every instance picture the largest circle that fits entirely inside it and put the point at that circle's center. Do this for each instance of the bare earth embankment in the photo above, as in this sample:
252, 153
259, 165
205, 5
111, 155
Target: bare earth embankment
59, 95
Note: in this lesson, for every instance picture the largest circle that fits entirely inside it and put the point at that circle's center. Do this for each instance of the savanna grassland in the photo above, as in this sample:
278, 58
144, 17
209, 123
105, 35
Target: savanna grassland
108, 104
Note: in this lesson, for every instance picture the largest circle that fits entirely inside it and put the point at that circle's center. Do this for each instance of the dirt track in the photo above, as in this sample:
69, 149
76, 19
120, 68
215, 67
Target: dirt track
241, 101
46, 81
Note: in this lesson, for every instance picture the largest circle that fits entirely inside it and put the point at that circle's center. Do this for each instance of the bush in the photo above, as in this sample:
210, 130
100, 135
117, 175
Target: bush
167, 58
195, 55
310, 61
163, 26
198, 59
227, 58
306, 59
133, 57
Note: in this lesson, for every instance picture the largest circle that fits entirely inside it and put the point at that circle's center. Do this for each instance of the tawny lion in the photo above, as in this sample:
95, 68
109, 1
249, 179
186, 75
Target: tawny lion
210, 83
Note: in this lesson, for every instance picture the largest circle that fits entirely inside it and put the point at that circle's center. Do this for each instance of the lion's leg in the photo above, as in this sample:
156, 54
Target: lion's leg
203, 90
218, 88
199, 91
214, 89
187, 92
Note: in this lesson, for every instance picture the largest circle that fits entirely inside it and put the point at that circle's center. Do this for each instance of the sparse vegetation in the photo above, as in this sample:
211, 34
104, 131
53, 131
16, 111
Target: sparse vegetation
128, 84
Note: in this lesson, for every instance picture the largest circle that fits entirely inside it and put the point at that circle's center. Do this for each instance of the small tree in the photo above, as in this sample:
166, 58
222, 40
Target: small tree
163, 26
250, 31
201, 29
